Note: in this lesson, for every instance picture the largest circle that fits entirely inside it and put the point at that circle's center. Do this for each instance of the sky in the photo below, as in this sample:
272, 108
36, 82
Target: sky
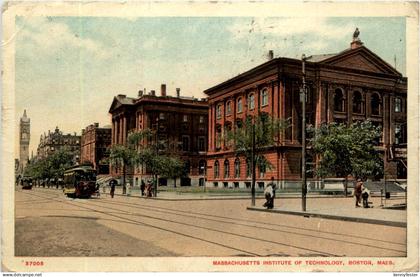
68, 69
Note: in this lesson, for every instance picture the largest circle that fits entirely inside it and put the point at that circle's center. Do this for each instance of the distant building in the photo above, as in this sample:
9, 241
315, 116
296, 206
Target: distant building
55, 141
181, 124
353, 85
24, 138
95, 143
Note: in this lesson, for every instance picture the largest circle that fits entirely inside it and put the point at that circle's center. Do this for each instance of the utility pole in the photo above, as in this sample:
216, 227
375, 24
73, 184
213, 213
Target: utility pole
155, 185
303, 100
253, 167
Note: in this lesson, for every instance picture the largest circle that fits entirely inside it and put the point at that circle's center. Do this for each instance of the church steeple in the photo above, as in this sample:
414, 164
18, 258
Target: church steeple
24, 138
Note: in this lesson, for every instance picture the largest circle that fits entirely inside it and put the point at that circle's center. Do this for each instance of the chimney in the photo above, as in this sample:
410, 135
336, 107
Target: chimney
96, 124
270, 55
178, 92
163, 90
140, 94
152, 92
121, 95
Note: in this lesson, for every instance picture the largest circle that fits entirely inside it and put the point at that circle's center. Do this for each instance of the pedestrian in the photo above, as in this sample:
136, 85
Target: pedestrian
358, 191
142, 187
112, 184
269, 194
149, 189
365, 197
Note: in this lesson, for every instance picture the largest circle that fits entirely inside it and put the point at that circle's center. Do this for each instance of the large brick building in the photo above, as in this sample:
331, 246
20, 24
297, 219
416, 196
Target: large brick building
55, 141
181, 124
95, 143
353, 85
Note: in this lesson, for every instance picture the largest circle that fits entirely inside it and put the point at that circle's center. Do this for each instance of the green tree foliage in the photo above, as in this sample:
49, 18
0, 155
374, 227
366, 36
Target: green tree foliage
51, 167
267, 132
122, 156
347, 151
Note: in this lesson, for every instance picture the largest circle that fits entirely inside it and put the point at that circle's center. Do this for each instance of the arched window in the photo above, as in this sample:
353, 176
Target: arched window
239, 107
248, 168
237, 168
263, 169
202, 167
226, 167
251, 101
375, 104
216, 169
264, 97
219, 111
357, 102
339, 102
228, 107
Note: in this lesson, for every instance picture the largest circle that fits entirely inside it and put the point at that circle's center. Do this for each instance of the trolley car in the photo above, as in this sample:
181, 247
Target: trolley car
79, 182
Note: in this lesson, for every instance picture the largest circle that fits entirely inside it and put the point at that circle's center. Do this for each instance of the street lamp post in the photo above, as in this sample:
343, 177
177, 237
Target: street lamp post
303, 100
253, 167
155, 185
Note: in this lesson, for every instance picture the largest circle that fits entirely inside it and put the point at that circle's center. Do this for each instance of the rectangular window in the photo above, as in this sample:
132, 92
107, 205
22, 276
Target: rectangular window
201, 119
185, 118
201, 144
397, 105
185, 143
251, 102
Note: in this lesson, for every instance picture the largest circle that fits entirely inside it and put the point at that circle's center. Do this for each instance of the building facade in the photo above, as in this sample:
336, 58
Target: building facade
180, 125
55, 141
24, 139
353, 85
94, 144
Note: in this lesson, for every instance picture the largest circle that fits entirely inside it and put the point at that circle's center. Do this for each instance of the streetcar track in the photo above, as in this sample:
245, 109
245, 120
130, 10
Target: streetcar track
194, 237
165, 211
162, 210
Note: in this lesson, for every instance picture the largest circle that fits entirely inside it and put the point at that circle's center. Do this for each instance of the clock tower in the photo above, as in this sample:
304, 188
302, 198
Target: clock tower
24, 136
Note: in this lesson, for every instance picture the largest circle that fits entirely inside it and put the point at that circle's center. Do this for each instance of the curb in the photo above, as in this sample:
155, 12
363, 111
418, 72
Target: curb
335, 217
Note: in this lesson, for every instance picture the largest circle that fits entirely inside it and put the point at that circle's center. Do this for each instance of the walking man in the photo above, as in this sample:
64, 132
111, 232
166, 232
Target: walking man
358, 191
112, 184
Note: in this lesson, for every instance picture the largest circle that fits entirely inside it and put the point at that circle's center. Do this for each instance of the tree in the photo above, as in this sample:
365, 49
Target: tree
149, 154
345, 151
122, 156
252, 138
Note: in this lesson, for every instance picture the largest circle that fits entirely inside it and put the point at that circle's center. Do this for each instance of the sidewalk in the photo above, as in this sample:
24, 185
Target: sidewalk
322, 206
341, 210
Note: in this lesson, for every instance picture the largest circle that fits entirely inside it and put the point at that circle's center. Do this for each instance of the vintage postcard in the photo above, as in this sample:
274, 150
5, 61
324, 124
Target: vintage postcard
210, 136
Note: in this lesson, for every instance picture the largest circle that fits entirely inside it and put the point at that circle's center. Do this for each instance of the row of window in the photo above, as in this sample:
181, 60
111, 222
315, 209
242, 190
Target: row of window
359, 103
237, 169
185, 117
239, 104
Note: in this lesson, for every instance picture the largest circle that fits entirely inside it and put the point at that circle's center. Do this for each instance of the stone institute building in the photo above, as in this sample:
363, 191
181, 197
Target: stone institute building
353, 85
181, 126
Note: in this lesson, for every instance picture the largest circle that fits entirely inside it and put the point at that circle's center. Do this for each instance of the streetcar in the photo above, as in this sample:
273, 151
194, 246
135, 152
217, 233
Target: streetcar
80, 182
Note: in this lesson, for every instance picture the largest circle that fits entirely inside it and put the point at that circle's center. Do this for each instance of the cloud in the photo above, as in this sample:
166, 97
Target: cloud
52, 37
284, 27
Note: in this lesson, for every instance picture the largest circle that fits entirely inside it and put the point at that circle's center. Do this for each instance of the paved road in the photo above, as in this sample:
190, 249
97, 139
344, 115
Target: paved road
49, 224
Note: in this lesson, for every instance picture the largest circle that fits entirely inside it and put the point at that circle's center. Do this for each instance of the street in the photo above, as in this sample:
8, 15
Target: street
49, 224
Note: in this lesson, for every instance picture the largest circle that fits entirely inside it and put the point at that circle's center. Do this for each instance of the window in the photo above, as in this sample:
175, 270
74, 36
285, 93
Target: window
264, 96
201, 119
375, 103
357, 102
239, 107
400, 133
161, 116
239, 124
185, 143
262, 171
218, 137
248, 168
219, 111
251, 102
237, 168
201, 144
228, 108
185, 118
202, 167
226, 167
397, 105
339, 102
216, 169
